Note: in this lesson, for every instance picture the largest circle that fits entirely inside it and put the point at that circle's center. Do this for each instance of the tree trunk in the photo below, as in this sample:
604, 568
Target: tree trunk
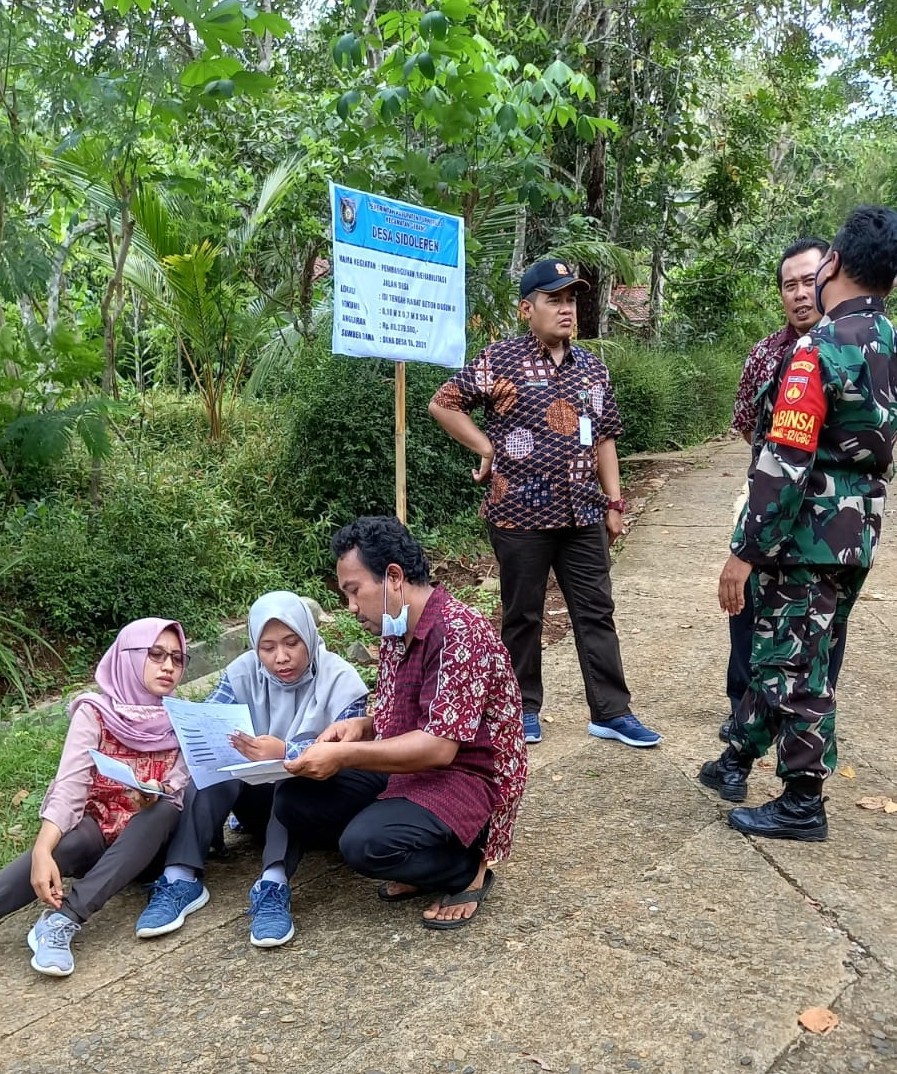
518, 257
591, 304
54, 288
266, 44
114, 299
613, 230
658, 272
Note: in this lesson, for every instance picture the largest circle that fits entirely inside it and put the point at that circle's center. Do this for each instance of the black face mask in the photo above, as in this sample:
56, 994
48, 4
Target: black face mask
819, 287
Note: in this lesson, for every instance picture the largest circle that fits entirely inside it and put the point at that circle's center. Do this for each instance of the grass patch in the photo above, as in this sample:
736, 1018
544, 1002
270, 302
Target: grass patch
30, 748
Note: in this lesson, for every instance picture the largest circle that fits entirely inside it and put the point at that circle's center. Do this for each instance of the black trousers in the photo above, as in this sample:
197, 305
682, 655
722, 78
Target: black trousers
581, 562
101, 871
741, 634
385, 839
205, 812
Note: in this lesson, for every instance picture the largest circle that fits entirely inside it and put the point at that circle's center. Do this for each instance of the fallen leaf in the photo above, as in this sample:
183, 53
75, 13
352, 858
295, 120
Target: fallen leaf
818, 1020
877, 802
685, 626
536, 1059
848, 772
763, 763
18, 798
636, 630
548, 719
556, 777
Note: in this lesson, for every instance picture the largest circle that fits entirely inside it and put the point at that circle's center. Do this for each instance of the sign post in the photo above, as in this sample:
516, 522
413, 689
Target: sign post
401, 481
398, 291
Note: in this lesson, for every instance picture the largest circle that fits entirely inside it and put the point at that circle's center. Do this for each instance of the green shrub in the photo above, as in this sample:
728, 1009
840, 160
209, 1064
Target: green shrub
670, 399
157, 545
339, 455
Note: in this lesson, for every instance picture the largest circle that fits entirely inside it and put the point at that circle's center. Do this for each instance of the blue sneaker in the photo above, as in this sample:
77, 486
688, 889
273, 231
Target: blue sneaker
169, 905
628, 729
50, 939
532, 729
269, 908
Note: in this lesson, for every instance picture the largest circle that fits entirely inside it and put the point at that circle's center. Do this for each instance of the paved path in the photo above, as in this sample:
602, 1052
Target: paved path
633, 930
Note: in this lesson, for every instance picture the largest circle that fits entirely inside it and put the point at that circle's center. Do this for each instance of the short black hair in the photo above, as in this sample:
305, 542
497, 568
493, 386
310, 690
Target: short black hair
799, 246
867, 245
381, 540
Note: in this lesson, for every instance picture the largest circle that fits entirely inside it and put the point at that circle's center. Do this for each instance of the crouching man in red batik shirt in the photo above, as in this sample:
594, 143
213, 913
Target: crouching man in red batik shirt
424, 793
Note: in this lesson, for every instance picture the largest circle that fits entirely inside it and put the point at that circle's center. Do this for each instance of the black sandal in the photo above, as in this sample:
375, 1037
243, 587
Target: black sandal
478, 896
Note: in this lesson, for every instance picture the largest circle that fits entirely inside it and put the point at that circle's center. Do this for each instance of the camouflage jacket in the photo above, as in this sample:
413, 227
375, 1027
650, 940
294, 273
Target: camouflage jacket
823, 446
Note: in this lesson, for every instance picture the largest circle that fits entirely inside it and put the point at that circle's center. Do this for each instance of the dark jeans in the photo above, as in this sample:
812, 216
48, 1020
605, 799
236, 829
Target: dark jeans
741, 635
102, 870
581, 563
205, 812
385, 839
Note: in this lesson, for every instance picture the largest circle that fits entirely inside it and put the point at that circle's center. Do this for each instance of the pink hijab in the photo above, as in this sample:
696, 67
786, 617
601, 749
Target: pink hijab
128, 710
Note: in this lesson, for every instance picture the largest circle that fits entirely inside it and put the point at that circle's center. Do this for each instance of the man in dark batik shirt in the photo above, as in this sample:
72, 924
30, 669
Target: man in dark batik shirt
548, 457
822, 456
423, 793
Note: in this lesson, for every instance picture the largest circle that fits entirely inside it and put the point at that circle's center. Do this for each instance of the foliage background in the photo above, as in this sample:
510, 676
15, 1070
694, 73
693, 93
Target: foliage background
175, 436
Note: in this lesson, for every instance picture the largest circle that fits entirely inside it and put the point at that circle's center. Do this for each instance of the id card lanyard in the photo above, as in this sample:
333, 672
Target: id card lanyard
585, 422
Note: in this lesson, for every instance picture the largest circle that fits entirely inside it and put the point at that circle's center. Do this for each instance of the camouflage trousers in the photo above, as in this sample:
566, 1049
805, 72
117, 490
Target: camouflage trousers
799, 613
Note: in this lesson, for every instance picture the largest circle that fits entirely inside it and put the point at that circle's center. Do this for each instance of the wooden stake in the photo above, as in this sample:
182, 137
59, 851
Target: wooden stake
401, 490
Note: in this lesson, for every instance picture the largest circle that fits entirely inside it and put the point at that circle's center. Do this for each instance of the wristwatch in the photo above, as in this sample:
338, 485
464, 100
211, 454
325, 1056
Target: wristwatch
617, 505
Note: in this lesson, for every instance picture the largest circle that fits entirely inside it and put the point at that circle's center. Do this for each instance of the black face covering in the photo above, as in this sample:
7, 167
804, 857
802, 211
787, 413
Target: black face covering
819, 287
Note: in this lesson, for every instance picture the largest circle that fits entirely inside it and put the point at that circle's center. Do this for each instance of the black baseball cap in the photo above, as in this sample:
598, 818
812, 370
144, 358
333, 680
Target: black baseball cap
549, 275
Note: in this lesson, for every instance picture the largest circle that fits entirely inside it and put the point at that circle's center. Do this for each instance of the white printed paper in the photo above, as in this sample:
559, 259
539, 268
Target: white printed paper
204, 729
258, 771
398, 280
112, 768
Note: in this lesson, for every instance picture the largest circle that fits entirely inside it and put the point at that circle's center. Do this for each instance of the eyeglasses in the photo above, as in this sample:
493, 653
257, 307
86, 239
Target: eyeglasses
157, 654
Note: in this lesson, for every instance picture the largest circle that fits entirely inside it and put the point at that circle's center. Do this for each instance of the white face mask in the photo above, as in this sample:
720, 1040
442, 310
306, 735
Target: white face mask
394, 626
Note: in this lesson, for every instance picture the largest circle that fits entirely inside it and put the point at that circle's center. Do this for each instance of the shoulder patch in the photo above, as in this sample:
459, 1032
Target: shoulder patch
801, 406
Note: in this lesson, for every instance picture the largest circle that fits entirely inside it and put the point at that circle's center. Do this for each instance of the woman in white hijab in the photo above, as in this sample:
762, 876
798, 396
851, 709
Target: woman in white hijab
294, 689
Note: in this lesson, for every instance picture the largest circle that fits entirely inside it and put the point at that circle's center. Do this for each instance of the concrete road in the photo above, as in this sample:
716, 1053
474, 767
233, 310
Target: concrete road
631, 931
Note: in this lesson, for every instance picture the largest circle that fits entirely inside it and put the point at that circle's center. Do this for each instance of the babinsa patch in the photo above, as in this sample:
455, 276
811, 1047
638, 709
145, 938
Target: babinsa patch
800, 407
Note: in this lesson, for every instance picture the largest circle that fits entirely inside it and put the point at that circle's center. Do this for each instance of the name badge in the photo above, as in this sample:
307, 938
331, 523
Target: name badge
585, 430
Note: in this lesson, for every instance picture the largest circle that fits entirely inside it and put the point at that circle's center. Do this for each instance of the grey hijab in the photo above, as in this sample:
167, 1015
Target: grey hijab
314, 701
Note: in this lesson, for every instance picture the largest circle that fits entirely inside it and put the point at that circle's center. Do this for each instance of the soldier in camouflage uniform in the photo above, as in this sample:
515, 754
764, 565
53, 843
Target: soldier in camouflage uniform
822, 455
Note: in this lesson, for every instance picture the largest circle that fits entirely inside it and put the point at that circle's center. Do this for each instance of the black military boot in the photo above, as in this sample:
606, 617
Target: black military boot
727, 775
798, 813
725, 729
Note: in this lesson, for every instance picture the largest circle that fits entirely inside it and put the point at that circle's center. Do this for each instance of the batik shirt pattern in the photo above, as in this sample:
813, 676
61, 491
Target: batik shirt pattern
454, 680
823, 447
543, 476
759, 369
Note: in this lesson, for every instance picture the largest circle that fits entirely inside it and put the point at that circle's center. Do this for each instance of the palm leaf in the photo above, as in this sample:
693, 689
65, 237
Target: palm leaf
274, 189
596, 254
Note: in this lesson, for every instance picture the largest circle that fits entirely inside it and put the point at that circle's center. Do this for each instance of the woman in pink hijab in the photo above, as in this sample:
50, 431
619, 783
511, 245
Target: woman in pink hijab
93, 827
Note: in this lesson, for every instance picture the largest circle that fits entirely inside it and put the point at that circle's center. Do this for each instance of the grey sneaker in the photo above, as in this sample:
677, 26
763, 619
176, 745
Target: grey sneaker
51, 941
